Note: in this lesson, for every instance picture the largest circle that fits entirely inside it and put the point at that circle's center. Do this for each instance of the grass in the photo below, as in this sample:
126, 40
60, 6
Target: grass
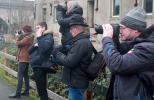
12, 81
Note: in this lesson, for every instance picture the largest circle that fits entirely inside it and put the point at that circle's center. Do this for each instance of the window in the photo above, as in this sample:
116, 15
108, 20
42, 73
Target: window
116, 7
44, 14
148, 6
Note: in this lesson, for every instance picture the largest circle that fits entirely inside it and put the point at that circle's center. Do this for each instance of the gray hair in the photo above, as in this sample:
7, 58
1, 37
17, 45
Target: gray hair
71, 5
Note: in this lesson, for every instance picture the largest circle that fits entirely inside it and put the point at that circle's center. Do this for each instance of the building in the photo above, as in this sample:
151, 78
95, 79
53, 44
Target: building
95, 11
15, 14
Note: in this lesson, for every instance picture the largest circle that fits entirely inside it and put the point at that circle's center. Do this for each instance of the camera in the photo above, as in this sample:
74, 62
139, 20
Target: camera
19, 32
116, 29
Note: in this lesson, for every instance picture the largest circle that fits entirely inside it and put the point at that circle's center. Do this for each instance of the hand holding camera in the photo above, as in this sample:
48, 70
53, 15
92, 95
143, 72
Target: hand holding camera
107, 29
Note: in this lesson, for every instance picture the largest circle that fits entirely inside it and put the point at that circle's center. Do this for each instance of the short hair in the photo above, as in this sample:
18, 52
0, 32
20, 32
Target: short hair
43, 24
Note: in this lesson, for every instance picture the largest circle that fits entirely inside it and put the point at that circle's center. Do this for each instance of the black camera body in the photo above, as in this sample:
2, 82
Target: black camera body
116, 29
20, 32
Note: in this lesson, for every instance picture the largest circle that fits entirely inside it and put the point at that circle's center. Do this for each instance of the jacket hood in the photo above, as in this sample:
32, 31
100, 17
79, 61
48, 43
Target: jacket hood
147, 35
76, 10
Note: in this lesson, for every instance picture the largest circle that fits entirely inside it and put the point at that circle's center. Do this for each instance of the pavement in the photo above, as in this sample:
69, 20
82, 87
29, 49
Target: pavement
5, 90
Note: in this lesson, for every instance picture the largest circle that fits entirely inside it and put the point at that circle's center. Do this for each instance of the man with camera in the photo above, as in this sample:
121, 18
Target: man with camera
76, 60
132, 61
24, 39
64, 15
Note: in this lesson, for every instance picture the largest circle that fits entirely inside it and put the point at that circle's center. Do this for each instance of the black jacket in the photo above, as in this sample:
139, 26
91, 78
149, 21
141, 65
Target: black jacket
40, 55
135, 58
63, 20
77, 59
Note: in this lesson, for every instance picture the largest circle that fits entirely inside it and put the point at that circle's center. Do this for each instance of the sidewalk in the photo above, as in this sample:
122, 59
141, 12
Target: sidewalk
5, 90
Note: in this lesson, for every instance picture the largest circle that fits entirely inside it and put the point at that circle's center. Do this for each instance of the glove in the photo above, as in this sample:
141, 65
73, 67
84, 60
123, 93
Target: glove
56, 49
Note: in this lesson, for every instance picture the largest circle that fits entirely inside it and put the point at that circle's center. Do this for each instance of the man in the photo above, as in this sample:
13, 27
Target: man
39, 58
133, 59
77, 59
64, 14
24, 39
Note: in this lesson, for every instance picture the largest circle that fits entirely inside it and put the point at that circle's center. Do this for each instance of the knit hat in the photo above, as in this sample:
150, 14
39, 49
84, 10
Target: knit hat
135, 19
27, 29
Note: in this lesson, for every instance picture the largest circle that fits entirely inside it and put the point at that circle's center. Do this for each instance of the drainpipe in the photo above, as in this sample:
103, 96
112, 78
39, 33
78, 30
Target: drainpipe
136, 3
96, 9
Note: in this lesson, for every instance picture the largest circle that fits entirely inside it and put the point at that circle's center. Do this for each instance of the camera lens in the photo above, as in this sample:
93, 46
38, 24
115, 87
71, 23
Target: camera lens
116, 27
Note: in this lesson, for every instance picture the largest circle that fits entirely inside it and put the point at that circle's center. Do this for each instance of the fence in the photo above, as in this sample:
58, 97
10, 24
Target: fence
95, 88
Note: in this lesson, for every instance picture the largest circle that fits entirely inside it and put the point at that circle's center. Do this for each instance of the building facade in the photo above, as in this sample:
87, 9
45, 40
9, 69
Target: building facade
15, 14
95, 11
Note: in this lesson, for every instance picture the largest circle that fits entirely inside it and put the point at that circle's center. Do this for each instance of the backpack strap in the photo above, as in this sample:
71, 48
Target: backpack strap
94, 50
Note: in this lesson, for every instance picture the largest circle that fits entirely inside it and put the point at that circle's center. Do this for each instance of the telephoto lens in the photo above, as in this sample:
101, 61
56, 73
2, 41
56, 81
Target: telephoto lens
116, 29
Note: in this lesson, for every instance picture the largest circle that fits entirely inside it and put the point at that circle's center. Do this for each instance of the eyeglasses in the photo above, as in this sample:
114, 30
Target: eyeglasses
123, 27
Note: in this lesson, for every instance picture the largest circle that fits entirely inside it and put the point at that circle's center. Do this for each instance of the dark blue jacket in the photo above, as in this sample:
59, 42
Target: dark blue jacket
132, 59
40, 55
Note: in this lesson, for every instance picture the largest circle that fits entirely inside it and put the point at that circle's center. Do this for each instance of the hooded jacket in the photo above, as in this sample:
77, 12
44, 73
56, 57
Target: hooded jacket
40, 55
131, 60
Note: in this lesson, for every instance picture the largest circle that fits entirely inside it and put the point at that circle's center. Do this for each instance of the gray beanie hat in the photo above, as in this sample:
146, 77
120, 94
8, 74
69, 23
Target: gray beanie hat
135, 19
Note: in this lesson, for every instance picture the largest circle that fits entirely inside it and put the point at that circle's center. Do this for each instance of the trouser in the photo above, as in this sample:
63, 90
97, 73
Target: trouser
40, 75
76, 93
23, 74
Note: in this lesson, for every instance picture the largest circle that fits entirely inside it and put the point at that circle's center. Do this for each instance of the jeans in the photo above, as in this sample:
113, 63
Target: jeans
23, 74
76, 94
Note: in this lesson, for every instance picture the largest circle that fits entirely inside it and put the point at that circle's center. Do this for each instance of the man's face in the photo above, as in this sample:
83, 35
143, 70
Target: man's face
127, 34
40, 29
73, 30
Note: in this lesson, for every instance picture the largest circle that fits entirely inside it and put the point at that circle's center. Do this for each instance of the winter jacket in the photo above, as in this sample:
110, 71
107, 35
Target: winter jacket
64, 20
23, 43
126, 64
40, 55
77, 59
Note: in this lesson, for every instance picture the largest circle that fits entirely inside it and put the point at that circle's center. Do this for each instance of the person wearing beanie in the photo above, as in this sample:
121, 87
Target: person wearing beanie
131, 62
24, 39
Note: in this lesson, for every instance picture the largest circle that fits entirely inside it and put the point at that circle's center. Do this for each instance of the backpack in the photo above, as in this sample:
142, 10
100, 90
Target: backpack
96, 66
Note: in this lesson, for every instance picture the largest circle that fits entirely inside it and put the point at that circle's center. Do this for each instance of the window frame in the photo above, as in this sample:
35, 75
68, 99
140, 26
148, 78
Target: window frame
112, 8
145, 9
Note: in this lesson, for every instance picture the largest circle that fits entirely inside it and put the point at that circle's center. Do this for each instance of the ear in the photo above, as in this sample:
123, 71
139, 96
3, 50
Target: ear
137, 33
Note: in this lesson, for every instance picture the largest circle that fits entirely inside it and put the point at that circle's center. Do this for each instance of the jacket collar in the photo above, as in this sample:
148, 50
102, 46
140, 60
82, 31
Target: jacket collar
81, 35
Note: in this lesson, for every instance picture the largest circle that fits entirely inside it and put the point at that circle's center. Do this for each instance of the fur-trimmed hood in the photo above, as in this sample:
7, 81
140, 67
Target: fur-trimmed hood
48, 31
51, 32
